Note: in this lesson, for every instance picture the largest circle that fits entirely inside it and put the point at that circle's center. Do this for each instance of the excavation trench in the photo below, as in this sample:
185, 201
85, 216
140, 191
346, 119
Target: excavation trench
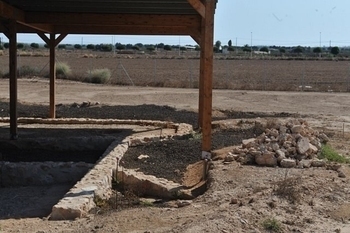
62, 174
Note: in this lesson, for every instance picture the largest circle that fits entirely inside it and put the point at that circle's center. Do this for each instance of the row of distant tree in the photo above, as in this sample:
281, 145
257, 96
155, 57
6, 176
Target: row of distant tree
107, 47
218, 47
335, 50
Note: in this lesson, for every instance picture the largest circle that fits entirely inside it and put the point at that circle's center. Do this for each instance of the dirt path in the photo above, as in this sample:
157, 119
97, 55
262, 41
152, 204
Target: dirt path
37, 91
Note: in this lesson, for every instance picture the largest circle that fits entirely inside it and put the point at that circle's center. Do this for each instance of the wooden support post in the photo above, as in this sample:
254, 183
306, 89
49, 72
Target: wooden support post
52, 46
52, 42
206, 76
12, 36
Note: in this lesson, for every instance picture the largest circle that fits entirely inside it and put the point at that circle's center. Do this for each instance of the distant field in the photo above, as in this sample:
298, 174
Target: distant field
172, 70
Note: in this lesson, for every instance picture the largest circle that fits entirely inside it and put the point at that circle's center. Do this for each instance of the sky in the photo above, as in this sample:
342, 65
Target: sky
253, 22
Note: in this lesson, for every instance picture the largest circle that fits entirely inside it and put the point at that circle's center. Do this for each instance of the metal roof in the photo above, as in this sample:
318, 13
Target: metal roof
105, 6
132, 17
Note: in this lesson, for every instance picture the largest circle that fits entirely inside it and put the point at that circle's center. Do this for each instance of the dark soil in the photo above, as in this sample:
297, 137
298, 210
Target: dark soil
169, 159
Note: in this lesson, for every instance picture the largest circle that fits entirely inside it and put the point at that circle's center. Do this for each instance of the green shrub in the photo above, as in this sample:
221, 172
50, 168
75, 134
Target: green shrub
61, 46
63, 70
327, 152
100, 76
90, 46
272, 224
20, 45
77, 46
34, 45
23, 71
105, 47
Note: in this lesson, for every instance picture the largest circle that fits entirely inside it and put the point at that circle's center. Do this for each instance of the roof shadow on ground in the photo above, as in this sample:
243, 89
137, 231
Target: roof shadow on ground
30, 201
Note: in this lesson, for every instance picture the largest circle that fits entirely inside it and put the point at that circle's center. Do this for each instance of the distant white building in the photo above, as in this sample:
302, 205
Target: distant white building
261, 52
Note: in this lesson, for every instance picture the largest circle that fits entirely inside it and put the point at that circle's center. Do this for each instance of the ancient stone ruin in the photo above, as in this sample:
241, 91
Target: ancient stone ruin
290, 144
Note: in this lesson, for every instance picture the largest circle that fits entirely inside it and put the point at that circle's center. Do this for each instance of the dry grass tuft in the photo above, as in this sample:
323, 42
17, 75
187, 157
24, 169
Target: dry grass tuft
289, 188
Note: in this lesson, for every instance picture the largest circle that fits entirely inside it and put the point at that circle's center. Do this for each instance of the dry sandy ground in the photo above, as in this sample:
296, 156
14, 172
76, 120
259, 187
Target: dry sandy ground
240, 198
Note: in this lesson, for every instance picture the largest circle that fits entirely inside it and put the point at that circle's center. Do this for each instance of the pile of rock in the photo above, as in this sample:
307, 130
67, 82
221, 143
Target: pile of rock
289, 144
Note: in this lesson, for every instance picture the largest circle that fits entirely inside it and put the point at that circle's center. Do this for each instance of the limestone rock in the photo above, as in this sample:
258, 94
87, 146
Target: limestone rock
288, 163
297, 129
303, 145
323, 138
313, 149
266, 159
305, 163
246, 159
230, 157
318, 163
248, 143
293, 140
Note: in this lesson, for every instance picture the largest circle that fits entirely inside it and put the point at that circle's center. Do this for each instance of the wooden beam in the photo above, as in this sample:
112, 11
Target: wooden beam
44, 38
12, 36
46, 28
23, 28
47, 40
52, 46
196, 37
131, 20
206, 76
59, 39
126, 30
198, 6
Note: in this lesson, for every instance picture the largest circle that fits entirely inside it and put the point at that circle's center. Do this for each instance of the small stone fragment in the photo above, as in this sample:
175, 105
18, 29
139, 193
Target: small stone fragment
234, 201
141, 157
183, 203
341, 174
